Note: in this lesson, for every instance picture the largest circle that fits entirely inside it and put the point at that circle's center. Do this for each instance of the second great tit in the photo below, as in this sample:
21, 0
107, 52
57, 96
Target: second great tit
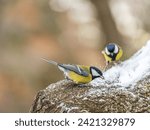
112, 52
78, 73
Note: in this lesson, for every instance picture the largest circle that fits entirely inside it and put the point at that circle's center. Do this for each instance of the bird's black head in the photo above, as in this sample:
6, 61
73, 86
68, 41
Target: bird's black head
111, 47
112, 50
96, 73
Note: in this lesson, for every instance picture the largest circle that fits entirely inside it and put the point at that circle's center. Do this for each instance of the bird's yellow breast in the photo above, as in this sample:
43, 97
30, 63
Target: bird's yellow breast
107, 58
119, 55
79, 78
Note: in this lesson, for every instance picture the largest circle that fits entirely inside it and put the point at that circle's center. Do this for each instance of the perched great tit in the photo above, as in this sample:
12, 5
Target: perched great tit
78, 73
112, 52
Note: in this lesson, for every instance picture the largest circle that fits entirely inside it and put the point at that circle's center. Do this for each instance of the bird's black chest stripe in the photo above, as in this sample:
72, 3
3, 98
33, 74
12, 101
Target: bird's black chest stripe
113, 57
74, 69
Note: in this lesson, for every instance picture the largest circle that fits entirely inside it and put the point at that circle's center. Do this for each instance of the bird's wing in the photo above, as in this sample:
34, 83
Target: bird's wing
75, 69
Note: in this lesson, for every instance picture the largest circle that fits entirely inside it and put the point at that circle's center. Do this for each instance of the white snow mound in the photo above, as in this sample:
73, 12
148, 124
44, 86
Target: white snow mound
129, 72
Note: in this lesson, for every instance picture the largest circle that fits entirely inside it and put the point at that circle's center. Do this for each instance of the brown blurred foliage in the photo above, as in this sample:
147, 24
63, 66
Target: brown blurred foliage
71, 31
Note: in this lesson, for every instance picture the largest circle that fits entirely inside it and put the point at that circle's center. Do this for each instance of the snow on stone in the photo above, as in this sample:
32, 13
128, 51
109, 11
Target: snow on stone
129, 72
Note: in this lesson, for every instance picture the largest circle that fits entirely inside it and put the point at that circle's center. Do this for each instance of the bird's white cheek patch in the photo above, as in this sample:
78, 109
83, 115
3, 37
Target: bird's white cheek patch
116, 49
107, 52
94, 72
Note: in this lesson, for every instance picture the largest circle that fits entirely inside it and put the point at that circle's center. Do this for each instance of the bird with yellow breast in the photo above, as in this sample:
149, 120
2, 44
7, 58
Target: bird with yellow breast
78, 73
112, 53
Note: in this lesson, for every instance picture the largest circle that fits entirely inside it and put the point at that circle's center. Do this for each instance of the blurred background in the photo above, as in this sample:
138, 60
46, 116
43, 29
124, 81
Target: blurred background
67, 31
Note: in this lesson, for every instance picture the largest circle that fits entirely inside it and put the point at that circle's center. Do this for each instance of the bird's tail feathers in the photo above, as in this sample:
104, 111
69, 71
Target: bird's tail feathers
50, 61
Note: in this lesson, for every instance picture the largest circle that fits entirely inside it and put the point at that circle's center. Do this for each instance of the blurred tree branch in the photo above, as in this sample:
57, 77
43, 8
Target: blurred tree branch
107, 21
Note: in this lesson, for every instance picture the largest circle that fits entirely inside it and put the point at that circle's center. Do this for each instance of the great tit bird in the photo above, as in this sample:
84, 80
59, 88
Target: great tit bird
78, 73
112, 52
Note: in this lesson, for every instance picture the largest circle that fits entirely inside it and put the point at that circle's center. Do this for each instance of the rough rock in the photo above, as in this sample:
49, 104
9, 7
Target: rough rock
125, 89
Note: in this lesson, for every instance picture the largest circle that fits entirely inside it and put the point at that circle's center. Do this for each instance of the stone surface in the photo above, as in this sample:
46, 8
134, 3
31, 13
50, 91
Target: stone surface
126, 88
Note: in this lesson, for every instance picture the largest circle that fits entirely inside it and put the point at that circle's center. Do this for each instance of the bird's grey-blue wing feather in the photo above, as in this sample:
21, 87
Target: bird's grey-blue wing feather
75, 69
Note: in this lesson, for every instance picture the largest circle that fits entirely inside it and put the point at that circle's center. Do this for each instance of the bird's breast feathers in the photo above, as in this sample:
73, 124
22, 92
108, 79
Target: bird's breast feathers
79, 78
119, 55
107, 58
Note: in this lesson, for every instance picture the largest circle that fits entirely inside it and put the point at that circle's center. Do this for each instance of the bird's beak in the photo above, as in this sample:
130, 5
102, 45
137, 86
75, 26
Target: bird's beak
102, 77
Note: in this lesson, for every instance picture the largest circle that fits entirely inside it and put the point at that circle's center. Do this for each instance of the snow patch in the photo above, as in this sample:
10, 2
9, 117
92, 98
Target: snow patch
129, 72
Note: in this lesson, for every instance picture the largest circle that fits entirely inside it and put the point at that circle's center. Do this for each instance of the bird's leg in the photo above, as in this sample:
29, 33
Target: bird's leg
108, 65
105, 68
117, 63
67, 78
